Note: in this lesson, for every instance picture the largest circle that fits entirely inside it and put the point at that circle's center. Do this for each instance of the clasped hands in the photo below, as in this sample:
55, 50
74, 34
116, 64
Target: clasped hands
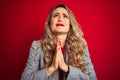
58, 61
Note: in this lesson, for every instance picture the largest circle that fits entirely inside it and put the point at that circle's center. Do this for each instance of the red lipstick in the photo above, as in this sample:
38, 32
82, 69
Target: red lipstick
59, 24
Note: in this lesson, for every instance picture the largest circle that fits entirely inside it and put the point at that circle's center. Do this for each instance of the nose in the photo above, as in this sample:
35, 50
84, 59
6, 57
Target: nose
60, 18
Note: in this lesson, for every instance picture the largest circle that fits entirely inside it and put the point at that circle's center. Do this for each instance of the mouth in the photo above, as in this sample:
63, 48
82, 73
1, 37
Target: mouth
60, 25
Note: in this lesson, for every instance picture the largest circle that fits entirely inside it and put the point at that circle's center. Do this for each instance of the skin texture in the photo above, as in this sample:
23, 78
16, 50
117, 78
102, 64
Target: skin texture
59, 16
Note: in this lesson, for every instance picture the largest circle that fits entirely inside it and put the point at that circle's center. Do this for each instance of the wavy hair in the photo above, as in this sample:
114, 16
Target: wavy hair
75, 42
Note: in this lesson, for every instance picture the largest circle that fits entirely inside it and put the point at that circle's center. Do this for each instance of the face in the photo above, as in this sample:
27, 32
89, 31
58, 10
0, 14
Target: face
59, 22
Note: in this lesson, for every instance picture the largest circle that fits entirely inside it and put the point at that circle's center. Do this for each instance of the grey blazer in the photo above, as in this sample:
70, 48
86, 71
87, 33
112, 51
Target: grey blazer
34, 69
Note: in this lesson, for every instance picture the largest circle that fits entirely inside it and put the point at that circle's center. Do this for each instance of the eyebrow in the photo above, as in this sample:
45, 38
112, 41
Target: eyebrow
59, 13
56, 13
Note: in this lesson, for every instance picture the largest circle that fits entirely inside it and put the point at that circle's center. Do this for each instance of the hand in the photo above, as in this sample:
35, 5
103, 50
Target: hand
58, 61
55, 58
61, 63
54, 65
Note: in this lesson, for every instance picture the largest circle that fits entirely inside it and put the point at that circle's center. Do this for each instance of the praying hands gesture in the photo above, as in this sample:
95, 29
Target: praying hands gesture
58, 61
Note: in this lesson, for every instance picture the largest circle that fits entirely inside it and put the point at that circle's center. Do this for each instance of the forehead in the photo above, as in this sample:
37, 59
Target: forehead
60, 10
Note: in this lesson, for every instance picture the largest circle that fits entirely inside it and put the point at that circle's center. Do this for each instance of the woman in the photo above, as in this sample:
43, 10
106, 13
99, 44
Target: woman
62, 53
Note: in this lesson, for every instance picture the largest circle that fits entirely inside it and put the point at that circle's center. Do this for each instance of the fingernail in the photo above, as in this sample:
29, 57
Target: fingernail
58, 48
58, 42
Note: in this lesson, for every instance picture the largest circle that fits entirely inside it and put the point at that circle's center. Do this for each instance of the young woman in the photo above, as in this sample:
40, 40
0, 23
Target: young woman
62, 52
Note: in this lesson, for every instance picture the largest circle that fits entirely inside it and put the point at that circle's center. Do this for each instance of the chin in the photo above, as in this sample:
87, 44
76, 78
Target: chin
60, 32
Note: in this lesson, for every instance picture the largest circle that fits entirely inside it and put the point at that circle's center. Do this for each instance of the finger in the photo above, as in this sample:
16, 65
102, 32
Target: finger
58, 46
55, 60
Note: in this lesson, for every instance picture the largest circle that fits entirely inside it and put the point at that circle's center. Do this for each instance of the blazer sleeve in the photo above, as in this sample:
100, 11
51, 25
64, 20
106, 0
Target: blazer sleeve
77, 74
31, 71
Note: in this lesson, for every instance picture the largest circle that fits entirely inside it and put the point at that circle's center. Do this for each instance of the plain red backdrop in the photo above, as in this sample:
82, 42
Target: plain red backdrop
23, 21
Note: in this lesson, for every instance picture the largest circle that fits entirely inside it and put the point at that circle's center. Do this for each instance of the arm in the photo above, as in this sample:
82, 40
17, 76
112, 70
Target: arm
77, 74
32, 71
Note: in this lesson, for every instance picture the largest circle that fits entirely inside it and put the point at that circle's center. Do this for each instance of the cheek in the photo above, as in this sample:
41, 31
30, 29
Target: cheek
53, 22
67, 23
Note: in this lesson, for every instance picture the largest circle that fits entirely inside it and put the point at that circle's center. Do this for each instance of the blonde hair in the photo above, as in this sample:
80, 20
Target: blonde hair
76, 44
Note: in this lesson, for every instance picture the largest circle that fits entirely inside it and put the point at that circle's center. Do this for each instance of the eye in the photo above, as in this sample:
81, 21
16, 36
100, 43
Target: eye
55, 15
65, 16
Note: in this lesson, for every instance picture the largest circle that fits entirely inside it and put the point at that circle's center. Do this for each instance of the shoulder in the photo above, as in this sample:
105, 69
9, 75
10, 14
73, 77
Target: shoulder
35, 50
35, 44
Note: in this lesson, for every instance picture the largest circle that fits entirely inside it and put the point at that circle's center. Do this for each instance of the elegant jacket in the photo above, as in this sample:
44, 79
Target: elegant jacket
34, 69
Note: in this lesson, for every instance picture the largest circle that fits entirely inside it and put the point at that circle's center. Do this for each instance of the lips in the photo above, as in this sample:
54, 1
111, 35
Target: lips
59, 24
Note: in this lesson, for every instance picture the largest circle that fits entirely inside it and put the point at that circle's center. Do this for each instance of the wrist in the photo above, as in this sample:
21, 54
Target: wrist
50, 70
65, 68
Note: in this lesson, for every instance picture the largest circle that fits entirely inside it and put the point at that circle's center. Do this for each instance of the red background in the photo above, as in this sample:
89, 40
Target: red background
23, 21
